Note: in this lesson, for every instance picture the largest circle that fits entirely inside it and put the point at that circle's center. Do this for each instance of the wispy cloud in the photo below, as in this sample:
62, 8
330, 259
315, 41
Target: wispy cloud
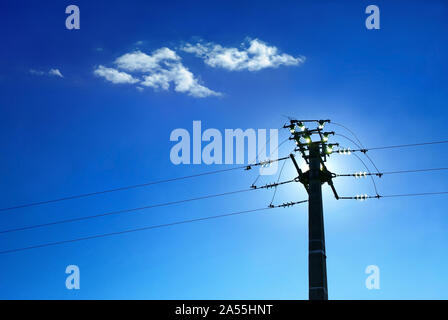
55, 72
51, 72
157, 70
36, 72
253, 55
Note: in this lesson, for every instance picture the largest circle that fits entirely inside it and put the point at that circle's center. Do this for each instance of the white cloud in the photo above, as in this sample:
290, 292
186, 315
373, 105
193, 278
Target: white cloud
158, 70
182, 78
37, 72
52, 72
139, 61
114, 75
56, 72
158, 80
255, 55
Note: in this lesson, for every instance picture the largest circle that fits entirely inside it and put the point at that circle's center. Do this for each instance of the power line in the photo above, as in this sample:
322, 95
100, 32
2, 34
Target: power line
351, 132
367, 168
356, 144
278, 179
110, 213
274, 185
363, 174
415, 194
147, 228
364, 196
264, 147
278, 147
85, 195
364, 150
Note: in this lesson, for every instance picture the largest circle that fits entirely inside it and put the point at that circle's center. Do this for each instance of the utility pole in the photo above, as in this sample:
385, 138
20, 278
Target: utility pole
315, 154
317, 267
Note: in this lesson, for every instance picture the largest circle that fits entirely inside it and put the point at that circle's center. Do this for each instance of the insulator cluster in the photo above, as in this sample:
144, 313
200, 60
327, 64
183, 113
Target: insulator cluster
345, 151
359, 175
361, 197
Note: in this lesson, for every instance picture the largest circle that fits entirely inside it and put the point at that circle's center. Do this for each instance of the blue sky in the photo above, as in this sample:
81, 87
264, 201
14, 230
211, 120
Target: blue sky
77, 132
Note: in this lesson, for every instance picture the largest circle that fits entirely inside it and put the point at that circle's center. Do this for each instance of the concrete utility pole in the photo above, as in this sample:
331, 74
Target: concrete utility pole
315, 154
317, 267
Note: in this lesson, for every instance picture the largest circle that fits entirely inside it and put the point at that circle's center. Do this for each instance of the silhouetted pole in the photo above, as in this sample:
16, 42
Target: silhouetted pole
317, 267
